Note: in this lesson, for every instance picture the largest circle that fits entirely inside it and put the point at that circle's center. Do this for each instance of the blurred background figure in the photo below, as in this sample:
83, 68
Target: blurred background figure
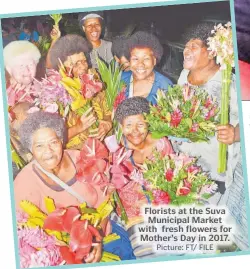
29, 33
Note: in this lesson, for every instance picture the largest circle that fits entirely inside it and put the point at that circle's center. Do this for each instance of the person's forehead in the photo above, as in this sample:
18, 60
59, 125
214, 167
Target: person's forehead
138, 117
196, 41
22, 60
92, 21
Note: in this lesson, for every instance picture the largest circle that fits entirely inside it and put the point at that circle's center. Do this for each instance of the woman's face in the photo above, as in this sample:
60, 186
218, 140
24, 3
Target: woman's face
47, 148
93, 29
135, 129
77, 63
142, 62
196, 55
23, 70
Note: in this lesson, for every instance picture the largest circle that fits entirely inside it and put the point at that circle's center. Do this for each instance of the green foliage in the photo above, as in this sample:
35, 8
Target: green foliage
191, 106
182, 178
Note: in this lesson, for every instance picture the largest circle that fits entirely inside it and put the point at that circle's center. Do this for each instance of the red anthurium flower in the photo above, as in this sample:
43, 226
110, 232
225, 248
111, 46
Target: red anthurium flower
90, 86
186, 189
121, 168
161, 197
193, 169
61, 219
68, 256
169, 174
81, 238
176, 118
92, 162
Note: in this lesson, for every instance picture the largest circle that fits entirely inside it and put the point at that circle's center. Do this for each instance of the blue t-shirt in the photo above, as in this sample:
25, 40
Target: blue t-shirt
160, 82
34, 36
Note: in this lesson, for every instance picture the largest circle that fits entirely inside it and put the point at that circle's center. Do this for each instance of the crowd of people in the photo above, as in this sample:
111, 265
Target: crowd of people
42, 138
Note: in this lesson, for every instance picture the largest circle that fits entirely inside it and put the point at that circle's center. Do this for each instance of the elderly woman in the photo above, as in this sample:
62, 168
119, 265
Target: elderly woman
20, 59
142, 80
136, 136
92, 25
200, 69
73, 51
52, 173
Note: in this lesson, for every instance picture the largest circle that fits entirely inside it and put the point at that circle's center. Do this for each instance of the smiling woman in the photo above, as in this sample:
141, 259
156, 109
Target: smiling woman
92, 25
145, 51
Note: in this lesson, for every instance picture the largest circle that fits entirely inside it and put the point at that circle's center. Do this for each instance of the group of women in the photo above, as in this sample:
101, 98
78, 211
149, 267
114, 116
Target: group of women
42, 136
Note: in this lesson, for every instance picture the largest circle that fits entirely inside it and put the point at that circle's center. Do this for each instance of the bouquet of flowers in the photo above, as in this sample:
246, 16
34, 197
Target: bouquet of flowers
70, 232
114, 92
176, 179
52, 96
220, 45
94, 166
82, 90
183, 112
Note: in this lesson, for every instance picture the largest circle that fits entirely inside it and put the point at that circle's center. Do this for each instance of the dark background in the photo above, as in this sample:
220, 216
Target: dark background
168, 23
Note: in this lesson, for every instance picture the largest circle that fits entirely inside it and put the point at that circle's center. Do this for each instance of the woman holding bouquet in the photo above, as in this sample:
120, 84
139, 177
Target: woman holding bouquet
73, 52
142, 80
52, 173
130, 114
201, 70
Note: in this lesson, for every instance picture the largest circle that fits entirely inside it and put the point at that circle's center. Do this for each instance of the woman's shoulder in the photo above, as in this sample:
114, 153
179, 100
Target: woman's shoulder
74, 154
25, 175
106, 43
162, 80
183, 77
126, 75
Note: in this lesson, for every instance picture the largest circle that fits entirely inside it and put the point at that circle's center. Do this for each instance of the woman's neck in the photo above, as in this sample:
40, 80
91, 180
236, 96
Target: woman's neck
203, 75
96, 44
65, 170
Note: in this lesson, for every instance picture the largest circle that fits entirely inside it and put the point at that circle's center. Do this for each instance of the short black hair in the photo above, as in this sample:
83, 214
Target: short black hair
132, 106
201, 31
146, 40
120, 46
67, 46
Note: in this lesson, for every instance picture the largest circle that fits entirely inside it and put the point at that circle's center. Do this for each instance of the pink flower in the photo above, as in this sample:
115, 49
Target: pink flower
208, 102
169, 174
185, 189
111, 143
193, 169
33, 110
161, 197
90, 86
176, 118
132, 199
21, 216
194, 128
210, 113
120, 98
37, 249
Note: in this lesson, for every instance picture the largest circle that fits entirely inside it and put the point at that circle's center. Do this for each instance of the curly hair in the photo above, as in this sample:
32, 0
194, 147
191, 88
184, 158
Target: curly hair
201, 31
66, 46
132, 106
120, 46
38, 120
142, 39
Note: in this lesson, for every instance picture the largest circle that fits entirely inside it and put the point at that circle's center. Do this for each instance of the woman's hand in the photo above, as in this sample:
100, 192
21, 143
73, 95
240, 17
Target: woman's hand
86, 120
102, 130
95, 255
228, 134
55, 33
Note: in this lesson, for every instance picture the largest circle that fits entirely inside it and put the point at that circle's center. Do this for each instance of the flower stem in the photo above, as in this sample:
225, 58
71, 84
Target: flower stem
226, 81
